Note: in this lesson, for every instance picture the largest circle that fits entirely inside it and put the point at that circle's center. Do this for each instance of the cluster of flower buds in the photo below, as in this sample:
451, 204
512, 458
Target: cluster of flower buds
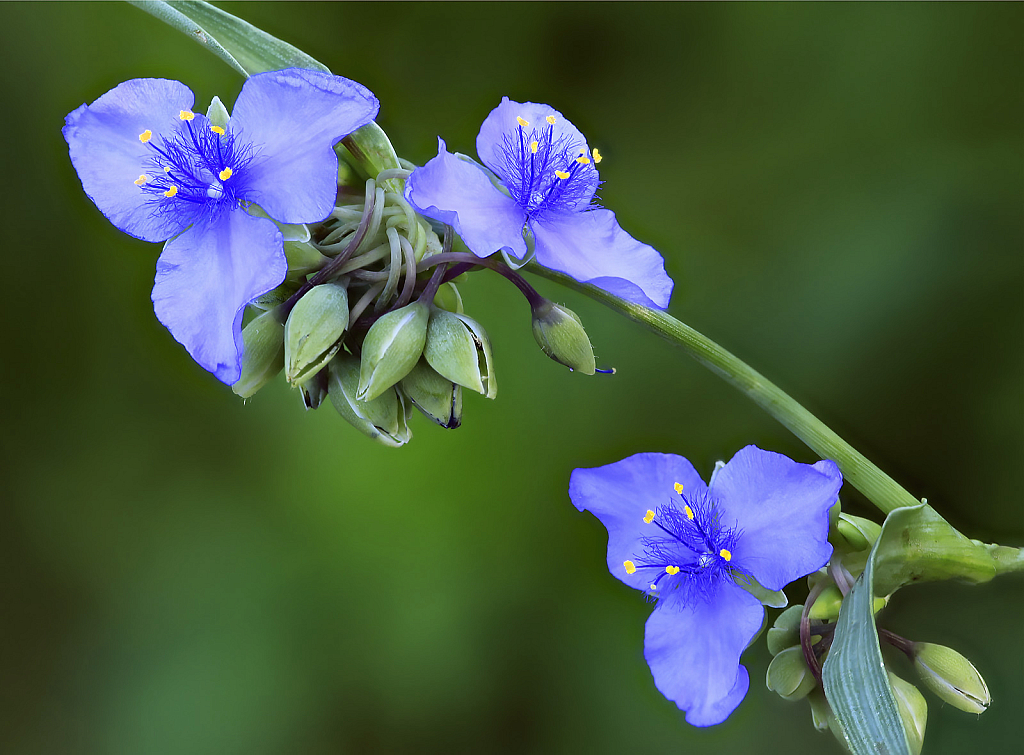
370, 316
800, 638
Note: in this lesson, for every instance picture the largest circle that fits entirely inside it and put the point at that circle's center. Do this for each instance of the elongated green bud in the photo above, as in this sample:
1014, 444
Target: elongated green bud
785, 632
435, 396
951, 677
314, 330
384, 418
391, 349
788, 675
303, 258
262, 353
860, 533
913, 711
458, 348
561, 336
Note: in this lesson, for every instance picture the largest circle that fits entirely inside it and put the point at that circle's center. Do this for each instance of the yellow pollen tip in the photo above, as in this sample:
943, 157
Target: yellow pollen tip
186, 115
649, 516
522, 121
679, 487
671, 569
141, 179
689, 512
533, 147
145, 136
225, 174
654, 586
171, 191
597, 155
561, 174
583, 160
725, 554
217, 130
630, 566
550, 119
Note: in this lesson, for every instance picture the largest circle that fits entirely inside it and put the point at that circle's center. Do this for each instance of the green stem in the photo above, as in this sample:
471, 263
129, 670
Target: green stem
875, 484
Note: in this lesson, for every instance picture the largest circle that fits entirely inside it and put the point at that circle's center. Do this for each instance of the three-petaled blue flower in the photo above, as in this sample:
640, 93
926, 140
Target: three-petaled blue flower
764, 517
158, 171
546, 181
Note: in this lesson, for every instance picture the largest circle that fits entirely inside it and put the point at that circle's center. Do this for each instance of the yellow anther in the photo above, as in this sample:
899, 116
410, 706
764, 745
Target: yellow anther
689, 512
217, 130
679, 488
550, 119
654, 586
167, 169
561, 174
725, 554
630, 566
145, 136
671, 569
171, 191
225, 174
597, 155
186, 115
522, 121
649, 516
533, 147
141, 179
583, 160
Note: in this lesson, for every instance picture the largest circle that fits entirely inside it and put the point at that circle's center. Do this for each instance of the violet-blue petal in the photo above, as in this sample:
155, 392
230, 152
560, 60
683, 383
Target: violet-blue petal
103, 141
460, 194
620, 494
592, 248
293, 118
204, 279
694, 652
781, 508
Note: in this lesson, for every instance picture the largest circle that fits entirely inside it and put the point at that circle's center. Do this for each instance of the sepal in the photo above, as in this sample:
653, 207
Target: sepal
314, 331
262, 353
458, 348
391, 349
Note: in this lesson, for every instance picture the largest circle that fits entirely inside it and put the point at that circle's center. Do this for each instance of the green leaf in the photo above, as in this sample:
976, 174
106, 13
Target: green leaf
238, 43
854, 676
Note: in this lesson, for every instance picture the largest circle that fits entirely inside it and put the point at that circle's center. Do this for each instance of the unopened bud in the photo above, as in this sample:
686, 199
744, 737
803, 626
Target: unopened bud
951, 677
384, 418
458, 348
561, 336
314, 390
913, 711
860, 533
303, 258
437, 397
391, 349
788, 675
314, 330
449, 298
785, 632
262, 353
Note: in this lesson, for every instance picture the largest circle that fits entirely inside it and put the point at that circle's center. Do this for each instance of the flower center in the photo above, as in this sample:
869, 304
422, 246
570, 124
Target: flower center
545, 172
689, 549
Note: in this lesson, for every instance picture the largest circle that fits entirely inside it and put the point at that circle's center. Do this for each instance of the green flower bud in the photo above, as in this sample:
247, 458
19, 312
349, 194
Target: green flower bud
303, 258
561, 336
262, 353
860, 533
821, 712
385, 418
826, 607
951, 677
788, 675
314, 390
785, 632
458, 348
437, 397
449, 298
391, 349
313, 333
913, 711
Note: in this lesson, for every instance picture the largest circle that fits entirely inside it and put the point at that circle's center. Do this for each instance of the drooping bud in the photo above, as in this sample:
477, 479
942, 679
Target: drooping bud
437, 397
262, 353
951, 677
385, 418
821, 713
826, 607
785, 632
561, 336
314, 390
314, 330
303, 258
860, 533
458, 348
913, 711
391, 349
788, 675
449, 298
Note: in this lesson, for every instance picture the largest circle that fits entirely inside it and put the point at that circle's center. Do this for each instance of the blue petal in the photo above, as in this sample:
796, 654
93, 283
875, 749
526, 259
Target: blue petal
103, 140
781, 508
592, 248
694, 652
620, 494
204, 279
502, 121
455, 192
293, 118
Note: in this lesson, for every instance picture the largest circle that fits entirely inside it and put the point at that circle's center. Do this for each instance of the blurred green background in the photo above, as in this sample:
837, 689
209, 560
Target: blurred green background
838, 191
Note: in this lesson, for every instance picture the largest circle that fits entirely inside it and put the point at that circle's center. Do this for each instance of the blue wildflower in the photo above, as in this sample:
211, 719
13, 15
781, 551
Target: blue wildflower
158, 171
543, 191
687, 545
